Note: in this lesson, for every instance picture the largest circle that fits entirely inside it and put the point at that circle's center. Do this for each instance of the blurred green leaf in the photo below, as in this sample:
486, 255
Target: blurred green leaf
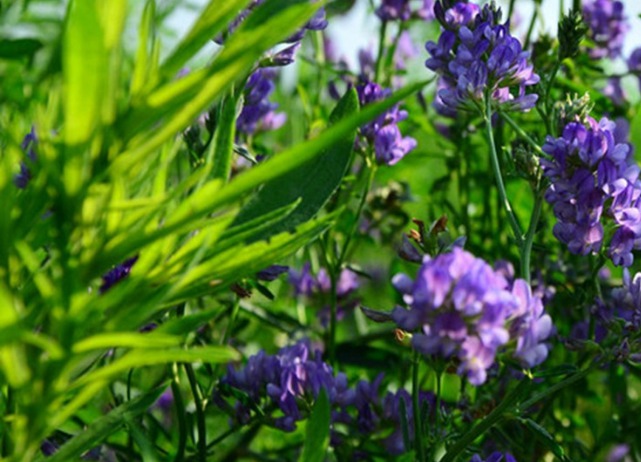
84, 69
19, 48
546, 438
100, 429
126, 340
317, 431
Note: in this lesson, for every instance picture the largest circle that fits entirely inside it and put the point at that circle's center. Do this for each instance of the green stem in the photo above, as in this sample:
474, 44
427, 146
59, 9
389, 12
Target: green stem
232, 319
381, 50
496, 167
522, 133
332, 315
488, 422
200, 413
526, 248
180, 415
418, 430
556, 387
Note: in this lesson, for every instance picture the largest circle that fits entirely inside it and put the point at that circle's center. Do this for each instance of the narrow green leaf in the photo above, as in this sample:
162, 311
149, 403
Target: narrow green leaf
145, 35
101, 428
214, 17
126, 340
140, 358
635, 132
84, 69
317, 431
313, 183
222, 145
545, 437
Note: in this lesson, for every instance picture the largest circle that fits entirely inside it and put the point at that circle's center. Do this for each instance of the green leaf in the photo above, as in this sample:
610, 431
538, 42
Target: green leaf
214, 17
222, 146
317, 431
145, 36
313, 183
84, 68
635, 132
545, 437
101, 428
126, 340
19, 48
140, 358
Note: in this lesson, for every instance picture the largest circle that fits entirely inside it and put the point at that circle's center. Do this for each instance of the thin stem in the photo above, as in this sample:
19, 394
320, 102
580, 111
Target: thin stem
418, 427
381, 50
488, 422
526, 248
200, 413
556, 387
496, 167
180, 414
332, 315
533, 144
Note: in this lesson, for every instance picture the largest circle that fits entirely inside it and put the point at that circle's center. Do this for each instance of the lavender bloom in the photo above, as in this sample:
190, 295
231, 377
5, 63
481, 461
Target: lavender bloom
476, 56
258, 112
494, 457
594, 182
608, 27
117, 274
382, 133
28, 145
294, 375
465, 310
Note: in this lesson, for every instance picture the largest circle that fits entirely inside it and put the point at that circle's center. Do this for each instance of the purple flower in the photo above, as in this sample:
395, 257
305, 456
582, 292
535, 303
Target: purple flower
594, 188
382, 133
476, 56
258, 113
607, 25
634, 63
318, 288
295, 375
494, 457
271, 272
391, 10
466, 311
117, 274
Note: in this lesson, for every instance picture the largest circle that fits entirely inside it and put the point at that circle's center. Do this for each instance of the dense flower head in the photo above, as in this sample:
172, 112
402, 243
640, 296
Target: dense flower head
607, 27
258, 113
382, 132
296, 374
476, 56
594, 190
465, 310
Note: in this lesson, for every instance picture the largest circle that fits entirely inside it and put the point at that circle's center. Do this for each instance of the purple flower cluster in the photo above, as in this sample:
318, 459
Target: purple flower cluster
594, 181
383, 133
117, 274
393, 10
287, 380
258, 113
319, 287
290, 381
634, 63
607, 26
465, 310
476, 56
626, 301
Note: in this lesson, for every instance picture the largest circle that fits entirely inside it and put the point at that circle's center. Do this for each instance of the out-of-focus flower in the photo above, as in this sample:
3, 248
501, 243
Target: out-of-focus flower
271, 272
614, 91
28, 146
594, 181
607, 27
395, 10
494, 457
258, 113
477, 57
634, 64
382, 133
319, 287
463, 309
117, 274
